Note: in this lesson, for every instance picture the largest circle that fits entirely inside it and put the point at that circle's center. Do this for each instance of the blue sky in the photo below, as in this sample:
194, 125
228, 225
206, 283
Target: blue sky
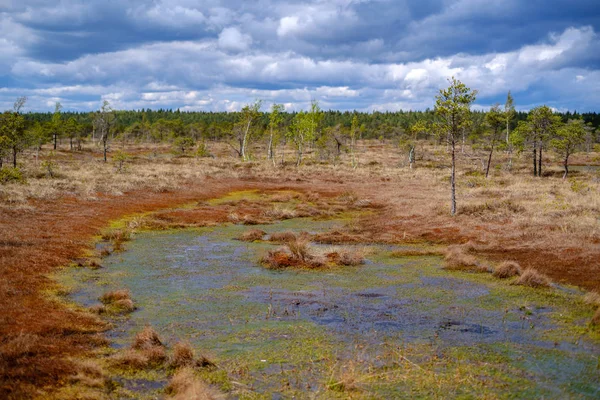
367, 55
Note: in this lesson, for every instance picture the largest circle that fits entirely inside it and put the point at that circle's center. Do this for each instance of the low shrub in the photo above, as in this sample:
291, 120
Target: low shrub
11, 175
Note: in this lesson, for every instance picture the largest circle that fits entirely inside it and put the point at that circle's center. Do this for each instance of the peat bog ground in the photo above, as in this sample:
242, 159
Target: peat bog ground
403, 324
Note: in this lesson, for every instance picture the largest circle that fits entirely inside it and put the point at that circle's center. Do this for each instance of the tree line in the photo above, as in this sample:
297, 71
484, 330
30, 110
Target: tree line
328, 133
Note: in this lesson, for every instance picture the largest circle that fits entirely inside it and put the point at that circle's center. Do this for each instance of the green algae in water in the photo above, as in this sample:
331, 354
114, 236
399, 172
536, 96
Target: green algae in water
407, 328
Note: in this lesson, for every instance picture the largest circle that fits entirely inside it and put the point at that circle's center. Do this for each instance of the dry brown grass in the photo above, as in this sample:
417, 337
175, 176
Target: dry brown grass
532, 278
185, 385
457, 258
145, 339
252, 235
115, 295
346, 380
416, 253
296, 253
346, 257
89, 374
547, 223
507, 269
592, 298
282, 237
596, 317
117, 301
147, 351
337, 237
183, 355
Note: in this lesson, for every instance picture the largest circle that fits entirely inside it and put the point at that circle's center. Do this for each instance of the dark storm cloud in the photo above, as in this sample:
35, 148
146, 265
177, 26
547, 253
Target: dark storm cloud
364, 54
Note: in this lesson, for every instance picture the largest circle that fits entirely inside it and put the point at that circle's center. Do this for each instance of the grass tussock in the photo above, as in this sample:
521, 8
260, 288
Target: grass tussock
147, 351
346, 257
116, 301
296, 253
280, 213
146, 338
532, 278
89, 374
592, 298
282, 237
507, 269
183, 355
252, 235
596, 318
457, 258
139, 360
185, 385
115, 295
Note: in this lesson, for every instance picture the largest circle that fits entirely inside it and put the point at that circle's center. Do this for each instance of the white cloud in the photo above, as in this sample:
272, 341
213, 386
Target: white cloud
288, 25
221, 73
232, 39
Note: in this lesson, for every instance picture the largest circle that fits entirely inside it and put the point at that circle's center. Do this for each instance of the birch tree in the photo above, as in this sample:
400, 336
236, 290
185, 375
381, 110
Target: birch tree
275, 121
452, 108
103, 122
249, 113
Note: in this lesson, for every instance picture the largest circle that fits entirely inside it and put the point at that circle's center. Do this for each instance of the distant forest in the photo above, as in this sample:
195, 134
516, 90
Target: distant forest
214, 125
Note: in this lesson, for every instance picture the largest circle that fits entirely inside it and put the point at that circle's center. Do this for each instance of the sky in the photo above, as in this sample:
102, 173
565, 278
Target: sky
366, 55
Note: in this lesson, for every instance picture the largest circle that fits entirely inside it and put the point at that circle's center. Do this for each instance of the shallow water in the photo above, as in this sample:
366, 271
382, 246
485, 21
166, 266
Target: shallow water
265, 327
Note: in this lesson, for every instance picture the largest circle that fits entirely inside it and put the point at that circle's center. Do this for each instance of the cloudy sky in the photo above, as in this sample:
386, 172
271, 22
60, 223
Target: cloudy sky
348, 54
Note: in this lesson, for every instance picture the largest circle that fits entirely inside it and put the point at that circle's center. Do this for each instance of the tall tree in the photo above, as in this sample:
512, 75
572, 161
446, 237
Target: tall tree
13, 136
419, 127
275, 121
453, 109
541, 125
570, 137
354, 132
104, 119
494, 119
249, 113
304, 128
56, 123
72, 129
509, 114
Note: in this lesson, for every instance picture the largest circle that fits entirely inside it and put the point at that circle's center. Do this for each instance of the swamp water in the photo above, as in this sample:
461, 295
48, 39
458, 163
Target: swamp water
395, 327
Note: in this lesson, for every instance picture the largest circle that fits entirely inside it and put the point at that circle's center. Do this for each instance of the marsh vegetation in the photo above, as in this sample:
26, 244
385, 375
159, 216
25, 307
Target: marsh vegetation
249, 254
